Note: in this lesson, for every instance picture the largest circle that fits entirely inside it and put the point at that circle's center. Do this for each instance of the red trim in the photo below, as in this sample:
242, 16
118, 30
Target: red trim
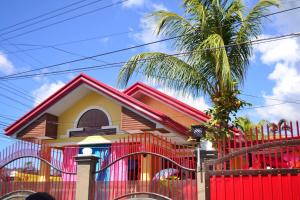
113, 93
141, 87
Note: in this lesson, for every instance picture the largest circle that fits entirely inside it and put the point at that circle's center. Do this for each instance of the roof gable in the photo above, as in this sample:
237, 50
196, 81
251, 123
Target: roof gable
113, 93
185, 108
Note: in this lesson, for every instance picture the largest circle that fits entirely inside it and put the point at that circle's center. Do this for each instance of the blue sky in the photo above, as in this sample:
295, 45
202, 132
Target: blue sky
273, 72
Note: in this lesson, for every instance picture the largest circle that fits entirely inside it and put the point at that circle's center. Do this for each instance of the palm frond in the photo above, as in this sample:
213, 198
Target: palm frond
207, 24
252, 23
197, 11
168, 70
235, 8
218, 56
169, 23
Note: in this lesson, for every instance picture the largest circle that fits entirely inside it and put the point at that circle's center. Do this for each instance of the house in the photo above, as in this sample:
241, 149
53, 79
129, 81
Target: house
88, 112
87, 115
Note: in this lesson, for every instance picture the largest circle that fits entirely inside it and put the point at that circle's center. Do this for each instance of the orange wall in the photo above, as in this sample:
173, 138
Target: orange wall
168, 110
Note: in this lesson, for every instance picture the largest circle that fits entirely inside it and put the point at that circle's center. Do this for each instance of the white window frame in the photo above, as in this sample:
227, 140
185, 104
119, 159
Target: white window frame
91, 108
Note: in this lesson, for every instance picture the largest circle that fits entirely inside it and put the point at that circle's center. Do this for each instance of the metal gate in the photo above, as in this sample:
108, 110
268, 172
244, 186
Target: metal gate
266, 171
27, 167
146, 166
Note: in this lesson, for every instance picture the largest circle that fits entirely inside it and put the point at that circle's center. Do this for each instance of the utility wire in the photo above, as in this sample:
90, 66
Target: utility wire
15, 100
264, 106
12, 106
18, 75
67, 19
126, 32
43, 46
51, 17
94, 56
75, 54
42, 15
274, 99
12, 91
21, 91
121, 2
7, 118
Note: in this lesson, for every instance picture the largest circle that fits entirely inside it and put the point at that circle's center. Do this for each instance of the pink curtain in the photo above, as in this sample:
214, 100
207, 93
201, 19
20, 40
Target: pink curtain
119, 170
69, 164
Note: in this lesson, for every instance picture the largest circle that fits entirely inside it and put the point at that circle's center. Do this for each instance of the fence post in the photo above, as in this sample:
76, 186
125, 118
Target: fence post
200, 174
86, 165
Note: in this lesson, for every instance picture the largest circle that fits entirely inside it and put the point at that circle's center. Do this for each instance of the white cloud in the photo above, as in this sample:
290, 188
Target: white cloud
285, 56
198, 102
6, 65
45, 90
157, 7
147, 4
134, 3
286, 50
287, 22
104, 40
147, 33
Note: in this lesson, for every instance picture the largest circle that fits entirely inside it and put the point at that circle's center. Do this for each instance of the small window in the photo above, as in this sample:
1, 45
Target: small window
93, 118
93, 122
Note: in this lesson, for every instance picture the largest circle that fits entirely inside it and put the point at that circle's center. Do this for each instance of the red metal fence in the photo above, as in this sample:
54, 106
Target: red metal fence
141, 165
32, 166
262, 163
145, 165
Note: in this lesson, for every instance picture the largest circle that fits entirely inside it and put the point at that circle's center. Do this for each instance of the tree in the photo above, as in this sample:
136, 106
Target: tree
212, 41
244, 124
249, 128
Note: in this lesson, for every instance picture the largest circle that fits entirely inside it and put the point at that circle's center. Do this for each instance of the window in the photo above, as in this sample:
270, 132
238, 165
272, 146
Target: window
93, 118
93, 121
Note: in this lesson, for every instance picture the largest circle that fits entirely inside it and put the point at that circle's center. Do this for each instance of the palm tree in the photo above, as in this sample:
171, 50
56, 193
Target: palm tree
281, 126
244, 124
202, 67
249, 128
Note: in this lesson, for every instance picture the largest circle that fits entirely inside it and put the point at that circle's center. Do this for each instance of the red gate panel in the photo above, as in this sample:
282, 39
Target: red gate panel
269, 187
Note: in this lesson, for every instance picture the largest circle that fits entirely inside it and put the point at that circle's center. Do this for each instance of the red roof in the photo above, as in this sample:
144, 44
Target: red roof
141, 87
105, 89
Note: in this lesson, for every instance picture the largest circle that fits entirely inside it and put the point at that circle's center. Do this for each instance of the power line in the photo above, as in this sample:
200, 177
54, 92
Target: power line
126, 32
51, 17
282, 11
15, 100
18, 75
264, 106
12, 91
42, 15
7, 118
3, 123
25, 53
75, 54
274, 99
12, 106
19, 58
94, 56
43, 46
21, 91
67, 19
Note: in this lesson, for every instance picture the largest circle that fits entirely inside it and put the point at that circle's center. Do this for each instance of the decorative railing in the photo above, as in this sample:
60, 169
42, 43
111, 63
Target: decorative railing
146, 166
27, 166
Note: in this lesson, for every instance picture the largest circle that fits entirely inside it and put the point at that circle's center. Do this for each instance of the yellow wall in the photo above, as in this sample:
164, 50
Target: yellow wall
67, 119
96, 139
